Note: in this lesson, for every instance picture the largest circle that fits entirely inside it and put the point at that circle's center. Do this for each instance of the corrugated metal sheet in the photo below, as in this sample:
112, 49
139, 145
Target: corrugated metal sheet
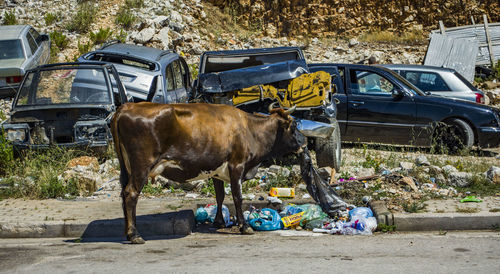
450, 52
478, 33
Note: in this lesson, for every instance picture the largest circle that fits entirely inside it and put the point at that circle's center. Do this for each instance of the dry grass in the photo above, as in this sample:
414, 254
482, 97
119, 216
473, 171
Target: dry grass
410, 37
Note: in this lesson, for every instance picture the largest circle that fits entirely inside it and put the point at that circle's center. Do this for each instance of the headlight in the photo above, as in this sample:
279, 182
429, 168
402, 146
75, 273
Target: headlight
91, 131
16, 132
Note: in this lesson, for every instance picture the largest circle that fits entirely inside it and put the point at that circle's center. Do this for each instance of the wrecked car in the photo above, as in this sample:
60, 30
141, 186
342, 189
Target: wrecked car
65, 105
149, 74
21, 48
255, 79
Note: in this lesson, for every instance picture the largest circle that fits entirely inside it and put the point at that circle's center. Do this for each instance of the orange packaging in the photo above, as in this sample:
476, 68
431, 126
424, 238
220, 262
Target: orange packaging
282, 192
292, 220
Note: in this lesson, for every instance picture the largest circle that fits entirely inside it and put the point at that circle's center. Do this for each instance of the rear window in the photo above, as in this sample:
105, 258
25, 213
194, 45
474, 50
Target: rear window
219, 63
426, 81
11, 49
123, 60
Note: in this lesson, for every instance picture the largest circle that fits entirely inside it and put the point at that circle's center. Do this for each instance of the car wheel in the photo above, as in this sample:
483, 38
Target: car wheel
453, 136
328, 150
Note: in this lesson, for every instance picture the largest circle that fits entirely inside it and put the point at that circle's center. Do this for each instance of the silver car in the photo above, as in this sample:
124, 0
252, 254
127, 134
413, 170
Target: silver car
439, 81
21, 48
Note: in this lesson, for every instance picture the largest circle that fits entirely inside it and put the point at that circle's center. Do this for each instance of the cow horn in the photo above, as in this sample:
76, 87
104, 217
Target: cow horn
271, 106
290, 110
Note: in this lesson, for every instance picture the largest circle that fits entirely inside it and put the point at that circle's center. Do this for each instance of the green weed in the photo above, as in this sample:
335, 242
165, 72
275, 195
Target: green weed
122, 36
101, 36
149, 189
83, 18
386, 228
384, 36
6, 153
50, 18
208, 188
10, 18
130, 4
467, 209
414, 207
125, 18
59, 39
83, 47
245, 188
279, 181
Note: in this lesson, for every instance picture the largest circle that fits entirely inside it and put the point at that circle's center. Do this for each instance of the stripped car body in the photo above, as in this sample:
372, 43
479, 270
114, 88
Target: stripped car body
254, 79
65, 105
185, 142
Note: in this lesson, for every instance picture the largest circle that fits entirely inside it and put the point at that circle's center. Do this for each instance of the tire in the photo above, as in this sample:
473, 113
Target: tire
454, 135
328, 150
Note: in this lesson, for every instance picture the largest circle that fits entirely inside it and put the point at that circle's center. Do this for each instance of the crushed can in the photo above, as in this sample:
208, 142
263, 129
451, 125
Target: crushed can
286, 192
292, 220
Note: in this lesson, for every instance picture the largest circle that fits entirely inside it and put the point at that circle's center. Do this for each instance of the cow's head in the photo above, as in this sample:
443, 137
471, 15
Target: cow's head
291, 139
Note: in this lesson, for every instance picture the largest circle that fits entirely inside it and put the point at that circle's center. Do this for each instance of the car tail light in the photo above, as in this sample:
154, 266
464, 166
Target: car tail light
13, 79
479, 98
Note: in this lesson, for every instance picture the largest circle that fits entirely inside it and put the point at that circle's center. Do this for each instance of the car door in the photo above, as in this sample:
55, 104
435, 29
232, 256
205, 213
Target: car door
179, 72
374, 115
170, 95
43, 46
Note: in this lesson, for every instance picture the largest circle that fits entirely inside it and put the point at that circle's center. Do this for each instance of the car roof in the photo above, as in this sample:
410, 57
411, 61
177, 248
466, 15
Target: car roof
11, 32
252, 51
417, 68
141, 52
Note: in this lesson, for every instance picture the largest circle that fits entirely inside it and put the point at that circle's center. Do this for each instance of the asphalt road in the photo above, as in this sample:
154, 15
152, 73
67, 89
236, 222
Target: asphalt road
457, 252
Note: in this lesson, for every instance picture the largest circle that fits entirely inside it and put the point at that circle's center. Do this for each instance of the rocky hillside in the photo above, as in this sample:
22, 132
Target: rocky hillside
334, 17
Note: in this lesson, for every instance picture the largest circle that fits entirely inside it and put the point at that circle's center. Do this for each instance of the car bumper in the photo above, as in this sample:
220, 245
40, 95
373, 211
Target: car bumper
314, 128
489, 137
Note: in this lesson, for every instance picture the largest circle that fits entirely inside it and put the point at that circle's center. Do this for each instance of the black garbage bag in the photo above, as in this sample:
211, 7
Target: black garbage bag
319, 188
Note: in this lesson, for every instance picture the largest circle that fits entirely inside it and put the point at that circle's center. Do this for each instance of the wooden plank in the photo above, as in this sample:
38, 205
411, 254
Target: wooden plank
488, 40
441, 27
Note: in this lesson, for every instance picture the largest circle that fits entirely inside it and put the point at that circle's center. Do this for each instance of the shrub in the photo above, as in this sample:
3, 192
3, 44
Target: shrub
415, 36
129, 4
59, 39
101, 36
84, 48
50, 18
10, 19
83, 18
6, 153
122, 36
125, 18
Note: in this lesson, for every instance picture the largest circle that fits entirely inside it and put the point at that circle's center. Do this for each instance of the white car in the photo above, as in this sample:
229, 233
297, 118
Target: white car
21, 48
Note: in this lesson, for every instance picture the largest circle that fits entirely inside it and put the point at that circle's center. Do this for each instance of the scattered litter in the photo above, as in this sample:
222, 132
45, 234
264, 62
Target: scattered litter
471, 199
306, 196
207, 214
192, 195
265, 219
248, 196
274, 200
287, 192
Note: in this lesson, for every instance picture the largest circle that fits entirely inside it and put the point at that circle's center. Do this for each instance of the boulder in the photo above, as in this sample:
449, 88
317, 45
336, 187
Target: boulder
449, 169
163, 37
459, 179
493, 174
144, 35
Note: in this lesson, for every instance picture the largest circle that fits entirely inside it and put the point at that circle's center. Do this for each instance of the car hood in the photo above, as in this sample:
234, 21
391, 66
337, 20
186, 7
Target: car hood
10, 67
236, 79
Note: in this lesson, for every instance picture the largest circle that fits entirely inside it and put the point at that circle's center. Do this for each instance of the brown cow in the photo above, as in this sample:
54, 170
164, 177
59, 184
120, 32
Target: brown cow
184, 142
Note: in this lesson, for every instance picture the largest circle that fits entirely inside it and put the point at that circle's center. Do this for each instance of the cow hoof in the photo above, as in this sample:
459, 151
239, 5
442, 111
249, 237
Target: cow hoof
219, 225
246, 230
137, 240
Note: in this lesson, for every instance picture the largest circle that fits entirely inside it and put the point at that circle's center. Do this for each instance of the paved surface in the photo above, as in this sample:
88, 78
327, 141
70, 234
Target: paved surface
174, 216
471, 252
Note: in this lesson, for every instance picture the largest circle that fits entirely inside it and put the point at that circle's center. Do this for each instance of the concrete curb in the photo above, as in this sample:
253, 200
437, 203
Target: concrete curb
446, 221
173, 223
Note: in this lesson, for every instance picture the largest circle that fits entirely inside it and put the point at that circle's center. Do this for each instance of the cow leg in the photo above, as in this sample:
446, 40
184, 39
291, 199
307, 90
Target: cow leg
236, 175
130, 195
219, 196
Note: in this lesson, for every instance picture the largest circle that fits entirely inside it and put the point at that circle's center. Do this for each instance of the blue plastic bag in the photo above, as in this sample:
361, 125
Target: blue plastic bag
201, 215
364, 212
268, 220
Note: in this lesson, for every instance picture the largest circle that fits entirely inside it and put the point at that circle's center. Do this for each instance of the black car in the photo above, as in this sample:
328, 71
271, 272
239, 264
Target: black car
65, 105
378, 105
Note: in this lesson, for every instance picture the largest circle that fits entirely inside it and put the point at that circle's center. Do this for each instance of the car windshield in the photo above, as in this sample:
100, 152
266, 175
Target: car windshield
11, 49
64, 86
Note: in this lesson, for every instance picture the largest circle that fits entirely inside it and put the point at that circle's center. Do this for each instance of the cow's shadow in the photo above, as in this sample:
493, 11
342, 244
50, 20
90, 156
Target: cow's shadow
170, 225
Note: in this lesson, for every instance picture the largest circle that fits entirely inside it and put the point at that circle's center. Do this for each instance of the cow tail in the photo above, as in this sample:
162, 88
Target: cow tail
120, 150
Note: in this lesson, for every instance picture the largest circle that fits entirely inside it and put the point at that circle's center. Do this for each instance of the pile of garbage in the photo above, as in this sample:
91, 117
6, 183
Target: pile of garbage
354, 221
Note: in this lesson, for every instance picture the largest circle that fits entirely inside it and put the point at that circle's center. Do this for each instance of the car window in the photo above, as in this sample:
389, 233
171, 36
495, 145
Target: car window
184, 74
179, 83
170, 78
31, 43
370, 83
35, 35
426, 81
11, 49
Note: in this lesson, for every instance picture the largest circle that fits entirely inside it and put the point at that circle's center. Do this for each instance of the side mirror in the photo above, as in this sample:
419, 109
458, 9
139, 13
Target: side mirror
397, 93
